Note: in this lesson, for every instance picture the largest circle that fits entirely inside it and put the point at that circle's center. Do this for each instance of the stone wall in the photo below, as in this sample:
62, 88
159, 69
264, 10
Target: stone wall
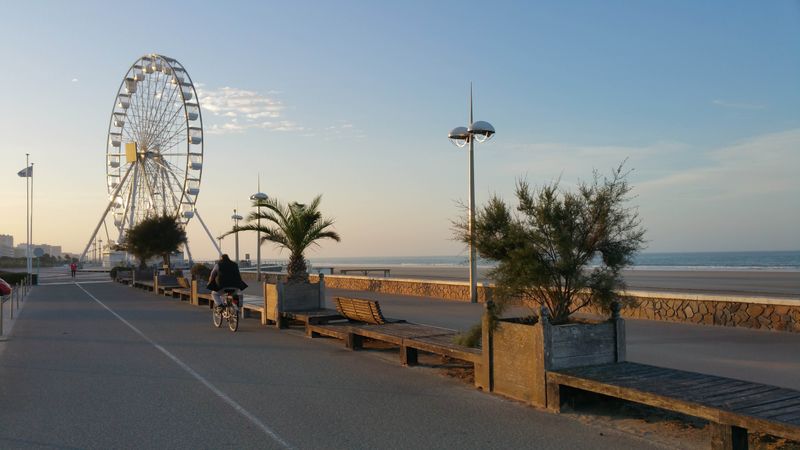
752, 312
732, 311
445, 290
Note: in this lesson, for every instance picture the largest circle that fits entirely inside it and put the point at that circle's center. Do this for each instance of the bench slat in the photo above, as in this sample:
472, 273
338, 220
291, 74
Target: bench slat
782, 410
763, 405
793, 418
360, 310
739, 393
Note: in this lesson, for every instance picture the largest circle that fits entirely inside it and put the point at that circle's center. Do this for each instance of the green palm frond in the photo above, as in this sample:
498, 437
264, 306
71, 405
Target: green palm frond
294, 226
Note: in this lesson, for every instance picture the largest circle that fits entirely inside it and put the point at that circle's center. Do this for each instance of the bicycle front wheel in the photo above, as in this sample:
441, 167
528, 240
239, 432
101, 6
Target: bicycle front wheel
216, 315
233, 318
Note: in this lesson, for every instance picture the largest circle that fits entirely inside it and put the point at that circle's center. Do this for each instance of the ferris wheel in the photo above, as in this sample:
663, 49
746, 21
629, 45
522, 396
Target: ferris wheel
154, 152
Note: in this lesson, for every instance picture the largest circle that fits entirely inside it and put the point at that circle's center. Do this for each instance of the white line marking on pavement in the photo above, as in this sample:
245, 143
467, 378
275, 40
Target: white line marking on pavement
61, 283
267, 430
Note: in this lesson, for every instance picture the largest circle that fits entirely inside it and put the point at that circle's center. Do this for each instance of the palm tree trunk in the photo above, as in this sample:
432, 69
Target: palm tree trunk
297, 270
167, 270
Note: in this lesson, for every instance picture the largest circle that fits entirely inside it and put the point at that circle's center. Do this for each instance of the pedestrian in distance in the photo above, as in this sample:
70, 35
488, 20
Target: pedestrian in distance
73, 268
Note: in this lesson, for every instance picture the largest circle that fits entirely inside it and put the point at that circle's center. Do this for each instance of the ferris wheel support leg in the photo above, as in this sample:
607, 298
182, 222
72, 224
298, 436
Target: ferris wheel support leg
105, 213
210, 236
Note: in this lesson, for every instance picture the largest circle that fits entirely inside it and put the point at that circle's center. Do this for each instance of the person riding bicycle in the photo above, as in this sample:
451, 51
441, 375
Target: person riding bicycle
224, 275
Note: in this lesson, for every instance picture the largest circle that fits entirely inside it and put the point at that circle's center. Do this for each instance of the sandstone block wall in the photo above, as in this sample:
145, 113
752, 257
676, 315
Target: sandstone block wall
444, 290
767, 314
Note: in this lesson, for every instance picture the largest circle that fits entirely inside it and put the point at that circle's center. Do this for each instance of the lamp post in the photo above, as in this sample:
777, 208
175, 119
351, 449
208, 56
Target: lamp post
236, 218
258, 197
462, 136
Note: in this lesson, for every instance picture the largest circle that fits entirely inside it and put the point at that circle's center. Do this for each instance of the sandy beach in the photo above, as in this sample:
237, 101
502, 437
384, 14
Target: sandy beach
728, 282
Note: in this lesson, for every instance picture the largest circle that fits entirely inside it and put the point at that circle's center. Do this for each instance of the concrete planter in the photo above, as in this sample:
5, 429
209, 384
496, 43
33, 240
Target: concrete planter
520, 354
282, 297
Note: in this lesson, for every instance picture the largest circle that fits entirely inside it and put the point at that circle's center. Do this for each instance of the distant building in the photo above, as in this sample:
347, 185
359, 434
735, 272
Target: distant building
6, 245
52, 250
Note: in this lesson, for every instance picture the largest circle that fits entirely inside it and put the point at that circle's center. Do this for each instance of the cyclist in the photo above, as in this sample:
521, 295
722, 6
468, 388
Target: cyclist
224, 275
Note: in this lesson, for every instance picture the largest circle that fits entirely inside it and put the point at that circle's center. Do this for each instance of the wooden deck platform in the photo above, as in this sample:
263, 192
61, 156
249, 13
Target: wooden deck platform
146, 285
732, 406
410, 337
318, 316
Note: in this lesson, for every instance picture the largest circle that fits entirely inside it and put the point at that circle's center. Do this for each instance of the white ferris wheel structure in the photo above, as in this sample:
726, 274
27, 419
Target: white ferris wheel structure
154, 152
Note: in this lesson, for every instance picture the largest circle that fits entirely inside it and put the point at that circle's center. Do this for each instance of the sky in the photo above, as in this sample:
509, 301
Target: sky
353, 100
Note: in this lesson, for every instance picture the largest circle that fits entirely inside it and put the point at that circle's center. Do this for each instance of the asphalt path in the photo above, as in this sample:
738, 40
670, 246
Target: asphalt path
100, 365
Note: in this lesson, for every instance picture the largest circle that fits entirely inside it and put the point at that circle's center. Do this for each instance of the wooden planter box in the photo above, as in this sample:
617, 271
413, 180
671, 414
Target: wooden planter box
283, 297
520, 354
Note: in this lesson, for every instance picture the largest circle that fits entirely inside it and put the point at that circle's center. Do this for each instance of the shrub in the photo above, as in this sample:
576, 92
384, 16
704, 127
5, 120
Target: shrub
563, 250
13, 278
200, 271
115, 270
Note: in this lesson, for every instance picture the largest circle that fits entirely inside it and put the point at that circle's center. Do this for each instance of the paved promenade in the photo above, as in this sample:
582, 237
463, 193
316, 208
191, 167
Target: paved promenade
100, 365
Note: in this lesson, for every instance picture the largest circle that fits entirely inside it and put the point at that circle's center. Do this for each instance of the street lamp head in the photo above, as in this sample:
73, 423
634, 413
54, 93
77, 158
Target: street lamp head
259, 196
483, 131
459, 136
237, 217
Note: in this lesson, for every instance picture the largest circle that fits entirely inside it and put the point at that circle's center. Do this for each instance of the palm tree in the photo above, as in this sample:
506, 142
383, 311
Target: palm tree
159, 235
295, 227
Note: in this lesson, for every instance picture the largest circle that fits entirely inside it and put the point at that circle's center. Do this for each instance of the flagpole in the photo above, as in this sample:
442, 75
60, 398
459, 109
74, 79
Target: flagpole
30, 262
27, 216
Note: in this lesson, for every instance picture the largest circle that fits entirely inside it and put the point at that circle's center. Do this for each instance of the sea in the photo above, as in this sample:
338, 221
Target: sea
781, 261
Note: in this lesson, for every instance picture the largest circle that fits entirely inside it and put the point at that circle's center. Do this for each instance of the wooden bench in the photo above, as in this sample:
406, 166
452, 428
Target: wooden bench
184, 292
365, 271
365, 320
142, 279
146, 285
410, 337
204, 297
165, 284
731, 406
124, 276
250, 306
360, 310
316, 316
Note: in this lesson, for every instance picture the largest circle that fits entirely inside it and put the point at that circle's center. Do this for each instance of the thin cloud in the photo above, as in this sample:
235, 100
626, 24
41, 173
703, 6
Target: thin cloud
761, 165
343, 129
737, 105
74, 80
235, 110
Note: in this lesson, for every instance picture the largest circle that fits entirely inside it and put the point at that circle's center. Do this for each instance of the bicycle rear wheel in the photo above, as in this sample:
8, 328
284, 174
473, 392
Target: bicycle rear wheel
233, 318
216, 315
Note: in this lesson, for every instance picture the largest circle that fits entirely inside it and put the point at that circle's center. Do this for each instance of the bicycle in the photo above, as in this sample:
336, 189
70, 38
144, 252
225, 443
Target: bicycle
229, 311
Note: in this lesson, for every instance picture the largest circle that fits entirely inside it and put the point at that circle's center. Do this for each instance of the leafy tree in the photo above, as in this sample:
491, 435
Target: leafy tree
200, 271
564, 250
295, 227
158, 235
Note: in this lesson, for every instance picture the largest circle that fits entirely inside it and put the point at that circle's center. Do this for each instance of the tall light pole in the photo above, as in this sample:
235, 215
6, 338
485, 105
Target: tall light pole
258, 197
236, 218
461, 136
